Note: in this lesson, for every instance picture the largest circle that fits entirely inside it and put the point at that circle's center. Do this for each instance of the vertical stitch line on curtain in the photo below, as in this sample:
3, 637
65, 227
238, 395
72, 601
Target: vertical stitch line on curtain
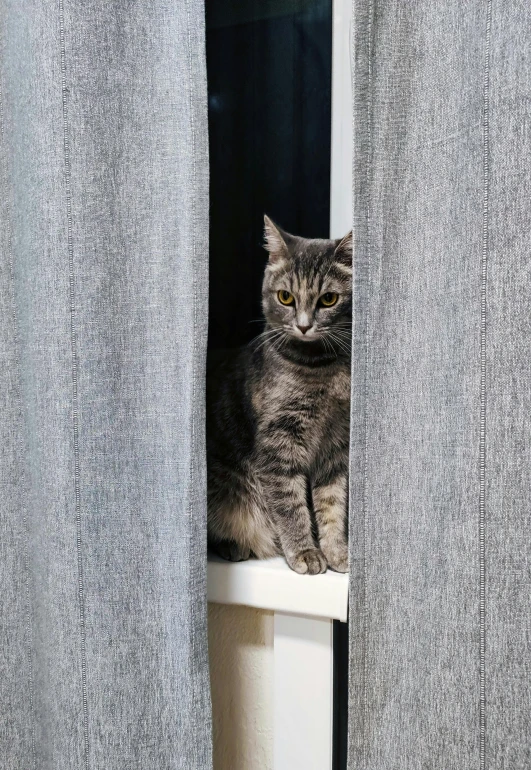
194, 257
366, 384
483, 390
22, 447
194, 293
191, 516
194, 252
75, 396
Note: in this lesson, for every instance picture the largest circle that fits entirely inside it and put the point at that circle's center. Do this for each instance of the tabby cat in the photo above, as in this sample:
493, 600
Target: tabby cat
278, 414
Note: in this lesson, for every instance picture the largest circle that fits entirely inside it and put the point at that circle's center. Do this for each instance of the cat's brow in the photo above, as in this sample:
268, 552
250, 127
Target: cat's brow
324, 278
282, 275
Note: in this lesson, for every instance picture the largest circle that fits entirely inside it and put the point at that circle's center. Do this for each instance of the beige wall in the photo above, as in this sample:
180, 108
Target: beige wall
241, 672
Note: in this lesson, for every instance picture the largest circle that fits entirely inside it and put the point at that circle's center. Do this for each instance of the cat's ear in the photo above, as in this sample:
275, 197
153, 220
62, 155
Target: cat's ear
274, 242
343, 252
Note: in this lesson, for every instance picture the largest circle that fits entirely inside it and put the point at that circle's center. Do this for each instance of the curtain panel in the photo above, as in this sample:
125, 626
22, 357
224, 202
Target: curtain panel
441, 419
103, 303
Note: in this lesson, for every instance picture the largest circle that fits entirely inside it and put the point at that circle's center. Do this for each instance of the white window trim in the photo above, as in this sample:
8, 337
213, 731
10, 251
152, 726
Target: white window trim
342, 131
305, 608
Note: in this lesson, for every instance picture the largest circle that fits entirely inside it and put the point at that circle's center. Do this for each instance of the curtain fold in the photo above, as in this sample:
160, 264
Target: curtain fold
441, 451
103, 302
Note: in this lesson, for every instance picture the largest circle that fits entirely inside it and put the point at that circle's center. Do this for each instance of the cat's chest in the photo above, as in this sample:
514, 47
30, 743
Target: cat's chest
317, 407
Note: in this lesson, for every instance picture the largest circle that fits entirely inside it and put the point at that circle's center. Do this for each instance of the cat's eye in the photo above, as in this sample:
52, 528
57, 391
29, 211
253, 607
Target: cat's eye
285, 298
328, 299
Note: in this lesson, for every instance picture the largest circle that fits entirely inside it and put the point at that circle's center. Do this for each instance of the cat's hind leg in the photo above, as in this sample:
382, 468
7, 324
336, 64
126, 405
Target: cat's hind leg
232, 551
239, 524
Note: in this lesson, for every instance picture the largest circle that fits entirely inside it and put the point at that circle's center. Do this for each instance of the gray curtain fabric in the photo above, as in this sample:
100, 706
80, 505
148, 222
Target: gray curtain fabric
103, 303
441, 452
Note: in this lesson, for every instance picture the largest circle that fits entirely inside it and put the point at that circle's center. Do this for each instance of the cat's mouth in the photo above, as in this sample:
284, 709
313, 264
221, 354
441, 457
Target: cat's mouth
309, 342
309, 335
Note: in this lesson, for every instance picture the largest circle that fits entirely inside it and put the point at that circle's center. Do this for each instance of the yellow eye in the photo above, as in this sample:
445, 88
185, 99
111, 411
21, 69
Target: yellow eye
285, 298
329, 299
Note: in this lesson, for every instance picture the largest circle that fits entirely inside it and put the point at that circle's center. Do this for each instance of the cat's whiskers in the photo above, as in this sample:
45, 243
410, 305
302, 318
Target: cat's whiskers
283, 340
270, 338
268, 331
328, 346
344, 327
344, 343
340, 342
347, 337
342, 348
345, 331
339, 334
269, 335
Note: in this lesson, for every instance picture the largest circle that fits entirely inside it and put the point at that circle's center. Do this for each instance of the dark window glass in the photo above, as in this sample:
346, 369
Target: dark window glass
269, 75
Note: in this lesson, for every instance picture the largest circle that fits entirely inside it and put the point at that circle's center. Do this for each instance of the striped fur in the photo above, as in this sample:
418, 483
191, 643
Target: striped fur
278, 415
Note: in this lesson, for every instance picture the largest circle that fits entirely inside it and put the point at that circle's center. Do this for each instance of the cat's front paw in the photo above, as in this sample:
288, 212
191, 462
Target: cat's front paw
337, 557
308, 562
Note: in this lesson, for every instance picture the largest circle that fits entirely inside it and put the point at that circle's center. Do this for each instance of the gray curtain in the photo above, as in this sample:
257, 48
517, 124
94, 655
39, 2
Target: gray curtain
103, 302
441, 452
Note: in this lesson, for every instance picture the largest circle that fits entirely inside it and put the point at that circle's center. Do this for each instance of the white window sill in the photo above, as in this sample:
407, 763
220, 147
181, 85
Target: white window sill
270, 584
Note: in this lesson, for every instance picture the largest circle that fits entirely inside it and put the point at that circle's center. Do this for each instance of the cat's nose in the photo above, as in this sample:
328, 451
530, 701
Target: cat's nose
303, 329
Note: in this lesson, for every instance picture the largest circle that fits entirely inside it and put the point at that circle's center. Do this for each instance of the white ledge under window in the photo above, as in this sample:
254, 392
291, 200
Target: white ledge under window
271, 585
305, 607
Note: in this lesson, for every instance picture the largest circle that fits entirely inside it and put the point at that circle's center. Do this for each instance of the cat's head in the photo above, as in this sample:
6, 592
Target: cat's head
307, 289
